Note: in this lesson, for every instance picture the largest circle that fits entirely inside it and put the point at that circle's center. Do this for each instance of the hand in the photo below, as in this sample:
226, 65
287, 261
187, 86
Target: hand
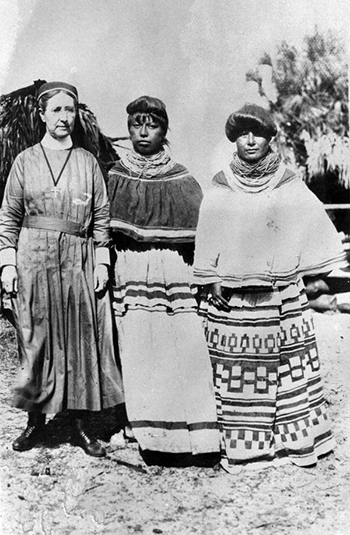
216, 297
100, 277
9, 279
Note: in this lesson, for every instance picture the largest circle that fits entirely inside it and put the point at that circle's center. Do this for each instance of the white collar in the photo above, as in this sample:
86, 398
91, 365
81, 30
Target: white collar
50, 142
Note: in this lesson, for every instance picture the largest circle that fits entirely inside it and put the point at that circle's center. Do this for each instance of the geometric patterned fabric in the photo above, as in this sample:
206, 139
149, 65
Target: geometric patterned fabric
267, 381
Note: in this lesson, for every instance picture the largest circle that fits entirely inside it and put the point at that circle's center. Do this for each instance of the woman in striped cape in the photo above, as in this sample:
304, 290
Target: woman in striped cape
165, 362
260, 231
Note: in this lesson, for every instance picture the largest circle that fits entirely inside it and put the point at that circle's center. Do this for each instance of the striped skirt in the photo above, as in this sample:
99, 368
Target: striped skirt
267, 381
166, 369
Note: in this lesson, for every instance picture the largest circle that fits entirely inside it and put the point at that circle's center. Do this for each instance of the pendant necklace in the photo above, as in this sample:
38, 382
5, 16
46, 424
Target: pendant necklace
55, 180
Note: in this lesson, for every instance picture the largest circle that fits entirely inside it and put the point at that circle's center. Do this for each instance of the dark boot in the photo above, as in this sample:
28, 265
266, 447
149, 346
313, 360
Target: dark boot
32, 433
84, 439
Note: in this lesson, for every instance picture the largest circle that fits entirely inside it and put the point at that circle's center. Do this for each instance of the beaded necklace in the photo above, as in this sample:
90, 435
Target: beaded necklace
151, 166
256, 177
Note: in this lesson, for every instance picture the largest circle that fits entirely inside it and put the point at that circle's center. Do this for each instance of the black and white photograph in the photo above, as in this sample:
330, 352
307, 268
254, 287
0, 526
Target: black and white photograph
174, 267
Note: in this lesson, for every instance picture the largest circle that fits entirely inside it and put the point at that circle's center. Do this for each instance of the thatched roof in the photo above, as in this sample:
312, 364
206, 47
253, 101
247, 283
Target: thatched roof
21, 127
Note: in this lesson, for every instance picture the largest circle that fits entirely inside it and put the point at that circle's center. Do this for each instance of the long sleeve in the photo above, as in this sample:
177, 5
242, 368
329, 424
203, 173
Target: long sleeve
101, 228
11, 214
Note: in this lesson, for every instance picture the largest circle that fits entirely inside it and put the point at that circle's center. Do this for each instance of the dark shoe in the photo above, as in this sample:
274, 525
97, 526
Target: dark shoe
29, 438
129, 435
90, 445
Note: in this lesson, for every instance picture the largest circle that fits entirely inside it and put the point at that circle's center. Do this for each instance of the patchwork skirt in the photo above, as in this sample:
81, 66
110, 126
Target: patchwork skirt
166, 369
267, 380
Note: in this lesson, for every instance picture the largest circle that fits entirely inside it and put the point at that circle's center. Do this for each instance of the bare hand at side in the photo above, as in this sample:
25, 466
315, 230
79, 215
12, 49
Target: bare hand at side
216, 296
100, 277
9, 279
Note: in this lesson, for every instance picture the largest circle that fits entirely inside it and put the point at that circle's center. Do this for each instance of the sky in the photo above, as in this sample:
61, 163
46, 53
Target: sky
193, 54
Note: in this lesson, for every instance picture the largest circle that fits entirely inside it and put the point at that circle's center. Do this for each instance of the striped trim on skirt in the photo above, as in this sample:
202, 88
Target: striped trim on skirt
267, 380
166, 369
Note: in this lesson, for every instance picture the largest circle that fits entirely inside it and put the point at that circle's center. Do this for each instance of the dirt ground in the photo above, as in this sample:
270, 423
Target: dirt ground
55, 489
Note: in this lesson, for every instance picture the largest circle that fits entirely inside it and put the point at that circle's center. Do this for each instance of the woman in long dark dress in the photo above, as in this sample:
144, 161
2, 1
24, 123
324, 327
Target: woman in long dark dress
260, 231
166, 369
54, 254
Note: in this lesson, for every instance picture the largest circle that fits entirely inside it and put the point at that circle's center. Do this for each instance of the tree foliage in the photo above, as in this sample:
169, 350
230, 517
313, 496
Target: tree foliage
311, 107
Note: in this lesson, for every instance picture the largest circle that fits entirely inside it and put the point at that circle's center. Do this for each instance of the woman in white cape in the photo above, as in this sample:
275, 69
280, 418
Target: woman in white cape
260, 231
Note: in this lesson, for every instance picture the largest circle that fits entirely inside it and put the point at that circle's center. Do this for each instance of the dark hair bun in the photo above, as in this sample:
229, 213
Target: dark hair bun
250, 118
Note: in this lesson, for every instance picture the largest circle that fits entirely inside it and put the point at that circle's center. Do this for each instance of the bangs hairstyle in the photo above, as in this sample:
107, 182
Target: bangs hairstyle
251, 118
152, 106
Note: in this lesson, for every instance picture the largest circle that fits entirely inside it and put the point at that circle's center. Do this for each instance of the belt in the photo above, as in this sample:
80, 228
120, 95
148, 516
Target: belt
58, 225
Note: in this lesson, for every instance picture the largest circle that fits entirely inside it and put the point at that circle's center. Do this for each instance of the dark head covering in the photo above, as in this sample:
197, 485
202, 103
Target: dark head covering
53, 86
152, 106
250, 118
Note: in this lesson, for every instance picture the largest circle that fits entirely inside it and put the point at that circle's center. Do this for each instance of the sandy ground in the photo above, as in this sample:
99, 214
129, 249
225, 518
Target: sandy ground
56, 489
